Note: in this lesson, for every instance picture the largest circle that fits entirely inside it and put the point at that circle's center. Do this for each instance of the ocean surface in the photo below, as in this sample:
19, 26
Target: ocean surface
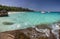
22, 20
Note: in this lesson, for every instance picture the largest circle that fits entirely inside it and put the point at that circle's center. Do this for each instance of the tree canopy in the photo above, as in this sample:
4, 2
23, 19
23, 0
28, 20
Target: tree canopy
11, 8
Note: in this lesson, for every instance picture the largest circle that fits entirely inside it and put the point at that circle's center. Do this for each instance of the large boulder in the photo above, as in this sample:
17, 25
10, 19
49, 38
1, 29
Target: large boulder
3, 13
32, 33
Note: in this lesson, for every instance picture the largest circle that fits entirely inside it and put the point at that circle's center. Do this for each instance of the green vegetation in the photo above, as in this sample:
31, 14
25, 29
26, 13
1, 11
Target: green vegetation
9, 8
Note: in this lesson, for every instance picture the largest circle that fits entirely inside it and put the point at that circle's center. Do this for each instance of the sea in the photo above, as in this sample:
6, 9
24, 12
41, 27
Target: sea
22, 20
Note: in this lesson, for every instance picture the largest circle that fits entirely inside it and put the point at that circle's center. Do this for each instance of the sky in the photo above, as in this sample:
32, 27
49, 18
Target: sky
39, 5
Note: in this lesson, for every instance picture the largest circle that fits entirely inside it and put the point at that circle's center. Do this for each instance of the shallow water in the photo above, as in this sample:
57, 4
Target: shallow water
27, 19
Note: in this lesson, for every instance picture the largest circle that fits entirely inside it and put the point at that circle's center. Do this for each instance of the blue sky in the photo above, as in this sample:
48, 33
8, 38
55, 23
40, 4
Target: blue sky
46, 5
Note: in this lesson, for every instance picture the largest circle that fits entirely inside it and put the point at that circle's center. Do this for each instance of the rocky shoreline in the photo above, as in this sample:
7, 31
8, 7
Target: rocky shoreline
38, 32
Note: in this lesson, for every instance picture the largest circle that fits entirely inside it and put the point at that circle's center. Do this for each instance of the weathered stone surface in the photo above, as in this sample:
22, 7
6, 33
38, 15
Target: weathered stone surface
3, 13
30, 33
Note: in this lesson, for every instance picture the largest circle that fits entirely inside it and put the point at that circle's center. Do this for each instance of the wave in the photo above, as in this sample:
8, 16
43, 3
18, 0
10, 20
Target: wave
54, 29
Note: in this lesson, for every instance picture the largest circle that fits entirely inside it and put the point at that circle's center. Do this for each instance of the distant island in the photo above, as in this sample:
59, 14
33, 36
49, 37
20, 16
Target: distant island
11, 8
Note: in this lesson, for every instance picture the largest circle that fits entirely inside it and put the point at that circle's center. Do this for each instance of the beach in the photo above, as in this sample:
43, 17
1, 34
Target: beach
30, 25
14, 12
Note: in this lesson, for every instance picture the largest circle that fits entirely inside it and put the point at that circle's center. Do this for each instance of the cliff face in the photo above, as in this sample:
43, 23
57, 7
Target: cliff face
39, 32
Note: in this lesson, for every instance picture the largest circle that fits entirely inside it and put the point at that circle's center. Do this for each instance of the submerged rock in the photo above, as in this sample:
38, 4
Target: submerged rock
8, 23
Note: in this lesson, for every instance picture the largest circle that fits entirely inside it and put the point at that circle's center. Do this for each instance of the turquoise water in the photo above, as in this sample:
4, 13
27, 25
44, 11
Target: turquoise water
23, 20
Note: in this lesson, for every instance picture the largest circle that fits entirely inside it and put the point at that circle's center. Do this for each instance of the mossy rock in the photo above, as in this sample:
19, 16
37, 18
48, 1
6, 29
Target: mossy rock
8, 23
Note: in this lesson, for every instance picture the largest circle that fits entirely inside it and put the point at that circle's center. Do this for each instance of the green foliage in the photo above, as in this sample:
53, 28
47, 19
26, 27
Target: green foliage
8, 8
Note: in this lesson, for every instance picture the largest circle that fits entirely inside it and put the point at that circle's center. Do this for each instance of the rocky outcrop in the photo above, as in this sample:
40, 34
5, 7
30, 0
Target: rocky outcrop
3, 13
38, 32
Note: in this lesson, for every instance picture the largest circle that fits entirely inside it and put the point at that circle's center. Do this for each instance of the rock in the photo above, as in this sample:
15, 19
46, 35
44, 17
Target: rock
32, 33
8, 23
3, 13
